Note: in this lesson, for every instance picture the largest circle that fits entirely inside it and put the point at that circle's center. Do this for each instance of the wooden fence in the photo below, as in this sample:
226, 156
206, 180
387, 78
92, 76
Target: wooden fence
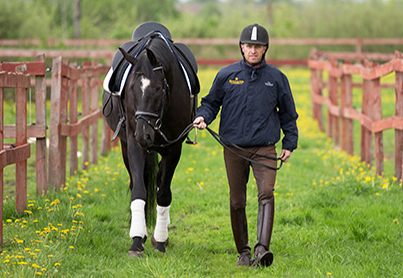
340, 105
64, 123
68, 82
19, 152
102, 48
37, 130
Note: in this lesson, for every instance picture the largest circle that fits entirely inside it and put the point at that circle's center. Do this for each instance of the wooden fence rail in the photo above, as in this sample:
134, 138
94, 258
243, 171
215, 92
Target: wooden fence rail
103, 48
68, 83
340, 106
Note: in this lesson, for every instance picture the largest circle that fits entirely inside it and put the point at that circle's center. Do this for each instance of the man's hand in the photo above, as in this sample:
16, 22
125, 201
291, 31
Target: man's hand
285, 155
199, 123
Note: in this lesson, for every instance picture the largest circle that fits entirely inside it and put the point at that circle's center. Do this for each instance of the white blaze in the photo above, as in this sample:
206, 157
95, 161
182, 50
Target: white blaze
145, 82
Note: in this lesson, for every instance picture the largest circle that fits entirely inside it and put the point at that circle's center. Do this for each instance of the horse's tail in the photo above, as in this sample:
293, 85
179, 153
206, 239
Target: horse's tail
150, 181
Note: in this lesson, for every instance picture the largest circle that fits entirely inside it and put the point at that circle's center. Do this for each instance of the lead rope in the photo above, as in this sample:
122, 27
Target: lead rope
221, 140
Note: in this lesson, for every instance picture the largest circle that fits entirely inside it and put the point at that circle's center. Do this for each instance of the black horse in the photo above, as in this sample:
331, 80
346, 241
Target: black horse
157, 108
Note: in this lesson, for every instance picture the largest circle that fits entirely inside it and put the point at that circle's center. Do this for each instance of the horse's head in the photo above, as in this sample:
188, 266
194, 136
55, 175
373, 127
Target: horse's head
146, 96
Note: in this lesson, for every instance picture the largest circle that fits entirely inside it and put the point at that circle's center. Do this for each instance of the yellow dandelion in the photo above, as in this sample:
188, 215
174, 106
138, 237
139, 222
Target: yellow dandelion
78, 195
395, 220
190, 169
377, 194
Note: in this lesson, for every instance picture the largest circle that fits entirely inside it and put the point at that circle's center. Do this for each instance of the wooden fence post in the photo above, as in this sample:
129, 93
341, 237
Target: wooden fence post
399, 113
55, 175
86, 92
73, 116
366, 132
94, 108
333, 120
347, 132
376, 116
1, 162
40, 117
21, 139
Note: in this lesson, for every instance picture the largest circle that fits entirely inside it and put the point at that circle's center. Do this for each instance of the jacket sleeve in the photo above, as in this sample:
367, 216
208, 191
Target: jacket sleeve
210, 104
288, 116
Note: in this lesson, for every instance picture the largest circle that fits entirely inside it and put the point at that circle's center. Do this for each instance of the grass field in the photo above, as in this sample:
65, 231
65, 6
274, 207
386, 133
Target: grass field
334, 216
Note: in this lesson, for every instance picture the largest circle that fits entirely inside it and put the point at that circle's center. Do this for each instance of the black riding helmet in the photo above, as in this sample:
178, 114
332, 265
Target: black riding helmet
254, 34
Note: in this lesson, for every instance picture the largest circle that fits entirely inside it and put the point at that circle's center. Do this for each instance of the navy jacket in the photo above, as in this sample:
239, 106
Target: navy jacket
257, 104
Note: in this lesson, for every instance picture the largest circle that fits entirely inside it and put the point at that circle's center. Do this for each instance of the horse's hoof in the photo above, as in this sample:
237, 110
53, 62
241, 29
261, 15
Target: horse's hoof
154, 242
136, 254
159, 246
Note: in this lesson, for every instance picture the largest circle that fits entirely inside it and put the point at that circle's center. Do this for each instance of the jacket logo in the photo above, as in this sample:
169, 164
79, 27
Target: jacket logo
268, 84
236, 81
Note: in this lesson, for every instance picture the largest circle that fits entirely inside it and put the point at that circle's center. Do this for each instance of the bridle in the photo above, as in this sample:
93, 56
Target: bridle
145, 115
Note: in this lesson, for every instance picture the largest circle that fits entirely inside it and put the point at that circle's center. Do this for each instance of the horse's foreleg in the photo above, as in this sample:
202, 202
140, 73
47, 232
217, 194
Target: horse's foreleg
167, 168
138, 231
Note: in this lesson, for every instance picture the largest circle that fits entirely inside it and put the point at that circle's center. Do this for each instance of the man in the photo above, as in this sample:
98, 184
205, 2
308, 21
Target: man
257, 104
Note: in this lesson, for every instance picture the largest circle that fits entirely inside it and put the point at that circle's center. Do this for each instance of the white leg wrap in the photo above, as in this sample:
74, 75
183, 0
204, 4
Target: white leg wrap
161, 227
138, 225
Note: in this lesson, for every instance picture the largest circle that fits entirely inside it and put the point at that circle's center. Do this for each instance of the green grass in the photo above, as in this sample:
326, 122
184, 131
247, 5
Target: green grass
334, 216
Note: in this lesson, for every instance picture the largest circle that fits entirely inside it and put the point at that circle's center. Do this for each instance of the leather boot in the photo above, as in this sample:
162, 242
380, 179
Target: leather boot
239, 226
263, 257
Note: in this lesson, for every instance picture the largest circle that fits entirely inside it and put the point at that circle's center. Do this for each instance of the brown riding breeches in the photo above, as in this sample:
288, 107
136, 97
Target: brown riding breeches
238, 170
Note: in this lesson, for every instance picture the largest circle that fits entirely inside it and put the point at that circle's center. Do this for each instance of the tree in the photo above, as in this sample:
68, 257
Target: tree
77, 18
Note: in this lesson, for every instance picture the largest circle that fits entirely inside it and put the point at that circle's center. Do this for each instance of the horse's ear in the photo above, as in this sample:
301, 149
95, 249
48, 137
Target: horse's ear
153, 60
127, 56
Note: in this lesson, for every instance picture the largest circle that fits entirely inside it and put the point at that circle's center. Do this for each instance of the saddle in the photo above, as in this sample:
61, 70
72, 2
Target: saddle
115, 80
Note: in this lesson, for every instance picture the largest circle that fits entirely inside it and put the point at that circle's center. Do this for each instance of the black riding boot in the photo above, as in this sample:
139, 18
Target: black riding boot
240, 231
263, 257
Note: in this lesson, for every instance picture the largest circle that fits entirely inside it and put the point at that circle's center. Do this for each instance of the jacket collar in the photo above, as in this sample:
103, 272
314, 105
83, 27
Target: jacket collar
253, 70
